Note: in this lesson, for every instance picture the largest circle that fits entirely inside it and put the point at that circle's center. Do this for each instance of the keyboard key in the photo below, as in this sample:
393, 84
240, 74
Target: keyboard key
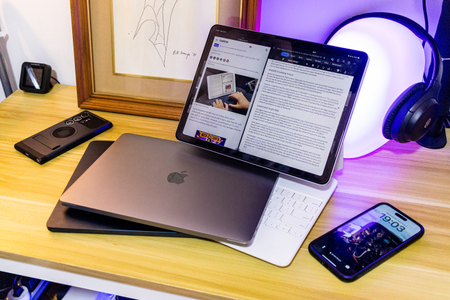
284, 227
300, 205
277, 198
272, 223
296, 231
311, 209
286, 209
288, 202
299, 197
287, 193
303, 215
314, 201
264, 219
274, 205
278, 190
275, 215
302, 223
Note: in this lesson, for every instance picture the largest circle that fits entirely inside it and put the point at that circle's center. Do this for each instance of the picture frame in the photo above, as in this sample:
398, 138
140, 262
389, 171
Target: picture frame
154, 97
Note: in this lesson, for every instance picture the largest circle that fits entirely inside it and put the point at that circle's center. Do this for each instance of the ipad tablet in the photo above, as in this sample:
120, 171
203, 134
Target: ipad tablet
291, 107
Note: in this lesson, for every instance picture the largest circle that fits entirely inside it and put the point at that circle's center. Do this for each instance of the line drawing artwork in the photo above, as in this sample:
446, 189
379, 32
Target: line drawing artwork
156, 18
160, 38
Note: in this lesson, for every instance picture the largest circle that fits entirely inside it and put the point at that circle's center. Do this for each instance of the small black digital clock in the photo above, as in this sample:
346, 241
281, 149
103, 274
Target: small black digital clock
35, 78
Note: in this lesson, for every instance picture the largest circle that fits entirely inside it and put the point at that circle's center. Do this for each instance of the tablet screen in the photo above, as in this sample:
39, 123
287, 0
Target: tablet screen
280, 103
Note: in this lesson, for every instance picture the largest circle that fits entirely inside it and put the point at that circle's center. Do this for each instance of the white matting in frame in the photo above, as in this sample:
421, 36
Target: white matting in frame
160, 38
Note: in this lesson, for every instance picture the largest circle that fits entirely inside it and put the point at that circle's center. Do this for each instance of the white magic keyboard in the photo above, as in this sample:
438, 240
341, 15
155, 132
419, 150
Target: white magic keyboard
290, 213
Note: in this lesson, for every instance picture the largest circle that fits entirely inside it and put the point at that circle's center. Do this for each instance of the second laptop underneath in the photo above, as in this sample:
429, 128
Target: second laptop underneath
175, 186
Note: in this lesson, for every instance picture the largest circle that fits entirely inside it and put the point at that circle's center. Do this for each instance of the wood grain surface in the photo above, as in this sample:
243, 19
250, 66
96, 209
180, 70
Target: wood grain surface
412, 178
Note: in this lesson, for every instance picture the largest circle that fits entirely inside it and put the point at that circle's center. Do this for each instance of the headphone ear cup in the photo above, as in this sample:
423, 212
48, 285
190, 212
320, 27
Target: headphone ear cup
389, 130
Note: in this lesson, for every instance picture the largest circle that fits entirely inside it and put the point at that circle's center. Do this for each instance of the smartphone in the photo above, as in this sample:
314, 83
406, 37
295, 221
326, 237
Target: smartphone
57, 139
362, 243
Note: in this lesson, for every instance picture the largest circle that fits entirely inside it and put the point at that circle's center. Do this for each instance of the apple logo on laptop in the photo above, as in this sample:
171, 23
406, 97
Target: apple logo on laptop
176, 177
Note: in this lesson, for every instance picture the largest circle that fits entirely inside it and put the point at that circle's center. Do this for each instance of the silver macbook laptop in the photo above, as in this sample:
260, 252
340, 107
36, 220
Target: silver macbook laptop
289, 114
175, 186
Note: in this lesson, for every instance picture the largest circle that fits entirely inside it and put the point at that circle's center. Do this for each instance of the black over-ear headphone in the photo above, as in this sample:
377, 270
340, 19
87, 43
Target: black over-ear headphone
414, 112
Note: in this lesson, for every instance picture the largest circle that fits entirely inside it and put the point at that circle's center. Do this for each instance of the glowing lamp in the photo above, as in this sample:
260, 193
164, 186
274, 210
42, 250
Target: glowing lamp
397, 61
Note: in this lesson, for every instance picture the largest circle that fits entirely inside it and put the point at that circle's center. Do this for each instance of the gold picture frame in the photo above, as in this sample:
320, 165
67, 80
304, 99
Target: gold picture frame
91, 16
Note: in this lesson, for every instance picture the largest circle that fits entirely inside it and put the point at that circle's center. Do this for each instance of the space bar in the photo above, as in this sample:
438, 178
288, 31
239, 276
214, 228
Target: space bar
294, 221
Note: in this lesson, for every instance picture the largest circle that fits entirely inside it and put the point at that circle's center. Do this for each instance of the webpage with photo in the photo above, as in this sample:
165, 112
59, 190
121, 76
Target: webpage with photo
222, 118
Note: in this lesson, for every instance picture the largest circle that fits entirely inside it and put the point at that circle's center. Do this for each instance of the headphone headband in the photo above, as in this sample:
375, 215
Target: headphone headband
410, 114
415, 28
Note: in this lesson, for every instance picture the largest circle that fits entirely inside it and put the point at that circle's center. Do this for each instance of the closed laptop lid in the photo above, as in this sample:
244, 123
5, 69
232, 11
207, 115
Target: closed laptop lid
174, 186
65, 219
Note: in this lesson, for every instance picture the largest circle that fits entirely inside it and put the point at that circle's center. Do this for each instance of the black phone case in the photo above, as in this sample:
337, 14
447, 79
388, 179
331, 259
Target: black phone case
376, 263
61, 137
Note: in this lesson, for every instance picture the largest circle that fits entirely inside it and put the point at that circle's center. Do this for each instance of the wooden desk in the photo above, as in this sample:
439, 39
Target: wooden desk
415, 179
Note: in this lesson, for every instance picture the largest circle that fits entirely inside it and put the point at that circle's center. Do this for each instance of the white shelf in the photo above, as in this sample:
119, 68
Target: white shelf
84, 282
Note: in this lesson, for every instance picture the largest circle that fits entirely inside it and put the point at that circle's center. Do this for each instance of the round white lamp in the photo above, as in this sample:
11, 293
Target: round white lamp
396, 61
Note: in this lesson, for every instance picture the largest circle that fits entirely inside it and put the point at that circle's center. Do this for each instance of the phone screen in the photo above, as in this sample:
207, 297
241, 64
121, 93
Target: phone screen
365, 239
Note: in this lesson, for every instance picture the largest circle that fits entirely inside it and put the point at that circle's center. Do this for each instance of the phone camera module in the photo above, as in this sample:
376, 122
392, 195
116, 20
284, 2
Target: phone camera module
63, 132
